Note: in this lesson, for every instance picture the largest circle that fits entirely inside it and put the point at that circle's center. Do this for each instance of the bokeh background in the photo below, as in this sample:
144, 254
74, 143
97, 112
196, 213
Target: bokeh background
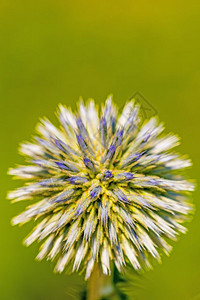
55, 51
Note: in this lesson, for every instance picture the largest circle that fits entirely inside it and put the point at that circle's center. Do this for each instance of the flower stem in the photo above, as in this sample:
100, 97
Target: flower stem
100, 285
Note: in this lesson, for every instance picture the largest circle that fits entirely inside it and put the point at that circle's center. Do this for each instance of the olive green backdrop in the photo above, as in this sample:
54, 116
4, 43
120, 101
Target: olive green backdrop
55, 51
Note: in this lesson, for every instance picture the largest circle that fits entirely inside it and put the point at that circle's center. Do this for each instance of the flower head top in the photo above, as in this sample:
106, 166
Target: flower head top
103, 187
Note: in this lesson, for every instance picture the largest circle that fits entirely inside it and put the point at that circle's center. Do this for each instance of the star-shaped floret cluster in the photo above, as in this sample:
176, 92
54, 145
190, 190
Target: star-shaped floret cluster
103, 187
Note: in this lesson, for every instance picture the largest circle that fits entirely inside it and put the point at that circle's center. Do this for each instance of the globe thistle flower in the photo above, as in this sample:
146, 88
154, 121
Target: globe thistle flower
103, 188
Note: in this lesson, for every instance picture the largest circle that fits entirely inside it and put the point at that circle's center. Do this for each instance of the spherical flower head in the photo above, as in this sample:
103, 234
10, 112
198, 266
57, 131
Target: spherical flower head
103, 188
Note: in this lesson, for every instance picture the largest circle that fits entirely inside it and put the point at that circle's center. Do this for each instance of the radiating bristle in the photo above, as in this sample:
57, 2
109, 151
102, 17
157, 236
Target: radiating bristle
103, 188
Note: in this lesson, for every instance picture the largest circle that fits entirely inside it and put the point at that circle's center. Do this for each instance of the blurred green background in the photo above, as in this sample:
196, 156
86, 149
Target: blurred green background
55, 51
